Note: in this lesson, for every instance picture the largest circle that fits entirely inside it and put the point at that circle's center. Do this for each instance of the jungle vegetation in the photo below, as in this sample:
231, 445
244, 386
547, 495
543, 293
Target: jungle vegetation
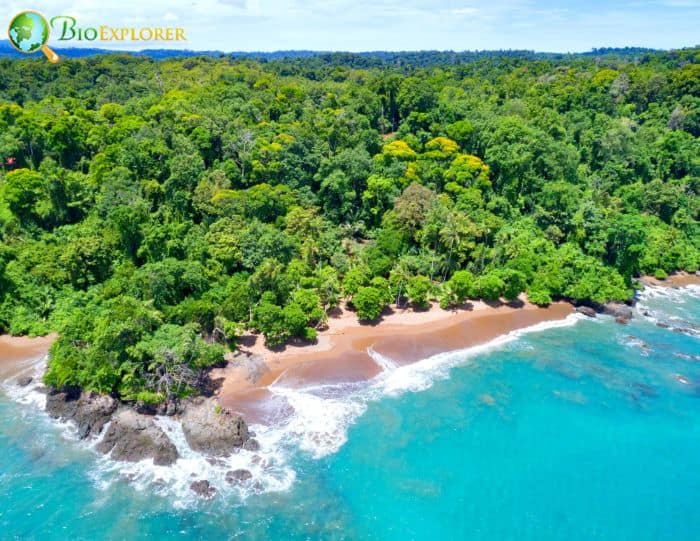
153, 210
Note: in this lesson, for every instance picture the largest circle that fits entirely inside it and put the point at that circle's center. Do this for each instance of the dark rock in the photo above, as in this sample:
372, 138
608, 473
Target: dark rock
586, 311
89, 411
662, 325
618, 310
621, 320
23, 381
236, 477
61, 405
258, 487
133, 437
251, 445
93, 412
210, 429
167, 408
203, 488
171, 408
645, 389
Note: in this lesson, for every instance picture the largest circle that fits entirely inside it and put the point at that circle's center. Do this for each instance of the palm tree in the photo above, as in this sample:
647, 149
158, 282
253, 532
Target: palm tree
400, 275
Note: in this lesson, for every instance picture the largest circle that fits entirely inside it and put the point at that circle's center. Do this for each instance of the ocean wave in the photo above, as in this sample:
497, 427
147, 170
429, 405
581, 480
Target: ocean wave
323, 414
29, 395
668, 307
385, 363
317, 426
268, 467
635, 343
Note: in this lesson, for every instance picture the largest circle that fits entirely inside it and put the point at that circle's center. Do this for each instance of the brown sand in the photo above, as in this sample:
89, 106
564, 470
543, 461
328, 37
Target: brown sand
18, 352
340, 355
679, 279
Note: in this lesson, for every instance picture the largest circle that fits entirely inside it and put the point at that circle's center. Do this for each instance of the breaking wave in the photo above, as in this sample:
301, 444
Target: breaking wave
316, 425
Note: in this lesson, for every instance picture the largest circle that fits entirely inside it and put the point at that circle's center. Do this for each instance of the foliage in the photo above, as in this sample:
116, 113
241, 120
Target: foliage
152, 217
418, 290
369, 303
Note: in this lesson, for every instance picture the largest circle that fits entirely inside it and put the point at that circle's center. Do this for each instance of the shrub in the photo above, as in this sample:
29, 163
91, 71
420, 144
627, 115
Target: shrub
539, 296
310, 334
489, 287
369, 303
418, 290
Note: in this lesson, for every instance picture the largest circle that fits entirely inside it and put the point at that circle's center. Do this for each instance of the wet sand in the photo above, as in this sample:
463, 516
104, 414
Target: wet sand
341, 352
19, 352
680, 279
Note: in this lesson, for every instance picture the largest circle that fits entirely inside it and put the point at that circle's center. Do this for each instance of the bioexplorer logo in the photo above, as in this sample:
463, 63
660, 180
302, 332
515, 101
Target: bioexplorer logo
29, 32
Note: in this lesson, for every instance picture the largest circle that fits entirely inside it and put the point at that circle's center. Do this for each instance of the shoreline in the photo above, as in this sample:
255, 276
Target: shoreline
340, 354
676, 280
349, 352
17, 353
275, 393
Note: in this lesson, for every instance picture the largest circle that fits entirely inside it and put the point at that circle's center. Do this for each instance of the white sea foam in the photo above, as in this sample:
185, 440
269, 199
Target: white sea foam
268, 466
34, 394
675, 293
323, 413
647, 306
632, 342
421, 375
318, 426
29, 395
385, 363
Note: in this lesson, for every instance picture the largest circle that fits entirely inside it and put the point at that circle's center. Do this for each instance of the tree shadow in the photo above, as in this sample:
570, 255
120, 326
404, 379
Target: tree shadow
210, 386
247, 340
515, 303
279, 348
335, 312
301, 343
465, 306
493, 303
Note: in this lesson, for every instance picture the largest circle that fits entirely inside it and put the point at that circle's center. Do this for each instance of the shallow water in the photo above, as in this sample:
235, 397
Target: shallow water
584, 431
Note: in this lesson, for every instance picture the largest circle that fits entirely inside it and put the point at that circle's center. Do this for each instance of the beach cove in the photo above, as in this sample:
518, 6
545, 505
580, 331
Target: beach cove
596, 394
350, 352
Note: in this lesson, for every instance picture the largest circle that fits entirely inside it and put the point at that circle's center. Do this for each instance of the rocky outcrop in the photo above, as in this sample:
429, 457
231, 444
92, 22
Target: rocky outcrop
62, 404
203, 488
168, 408
251, 444
621, 312
586, 311
212, 430
236, 477
133, 437
24, 381
89, 411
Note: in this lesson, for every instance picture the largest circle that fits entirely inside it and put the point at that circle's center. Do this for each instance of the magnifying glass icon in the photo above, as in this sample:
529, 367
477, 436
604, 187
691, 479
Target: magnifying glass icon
29, 33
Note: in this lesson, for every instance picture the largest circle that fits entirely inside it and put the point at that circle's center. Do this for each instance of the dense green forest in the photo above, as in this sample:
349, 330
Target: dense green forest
153, 210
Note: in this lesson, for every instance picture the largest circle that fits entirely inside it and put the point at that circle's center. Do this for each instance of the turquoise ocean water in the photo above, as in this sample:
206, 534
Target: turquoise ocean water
578, 432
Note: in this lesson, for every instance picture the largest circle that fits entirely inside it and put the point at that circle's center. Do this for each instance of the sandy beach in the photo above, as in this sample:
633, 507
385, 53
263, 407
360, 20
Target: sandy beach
341, 353
679, 279
18, 352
